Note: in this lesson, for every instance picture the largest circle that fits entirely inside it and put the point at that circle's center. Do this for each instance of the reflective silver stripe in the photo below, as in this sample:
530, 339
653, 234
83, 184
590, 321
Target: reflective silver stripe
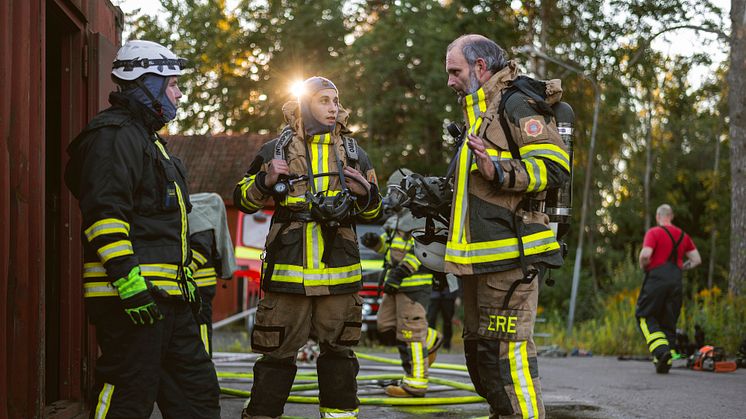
205, 273
201, 259
497, 250
206, 282
166, 271
104, 401
327, 412
118, 248
526, 383
537, 180
107, 226
94, 270
99, 289
545, 153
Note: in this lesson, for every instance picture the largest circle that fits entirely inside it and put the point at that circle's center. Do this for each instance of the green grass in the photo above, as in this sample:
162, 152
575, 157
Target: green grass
614, 330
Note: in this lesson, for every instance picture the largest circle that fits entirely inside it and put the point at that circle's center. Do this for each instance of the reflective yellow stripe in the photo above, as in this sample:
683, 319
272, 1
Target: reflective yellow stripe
199, 257
529, 380
205, 337
94, 270
205, 273
317, 277
372, 213
654, 336
522, 382
481, 252
537, 175
420, 383
245, 184
182, 210
329, 412
107, 226
160, 270
116, 249
495, 156
547, 151
657, 343
206, 282
105, 289
148, 270
104, 401
418, 362
432, 335
417, 280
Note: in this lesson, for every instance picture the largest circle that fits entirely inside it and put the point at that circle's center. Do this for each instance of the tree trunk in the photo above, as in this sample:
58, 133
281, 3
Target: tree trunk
715, 184
737, 112
648, 159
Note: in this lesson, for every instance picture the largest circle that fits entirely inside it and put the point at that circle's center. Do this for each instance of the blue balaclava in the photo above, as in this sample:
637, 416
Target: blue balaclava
311, 86
156, 86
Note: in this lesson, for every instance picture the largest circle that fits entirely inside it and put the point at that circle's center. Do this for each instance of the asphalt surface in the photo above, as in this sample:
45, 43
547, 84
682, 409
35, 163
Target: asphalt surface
574, 387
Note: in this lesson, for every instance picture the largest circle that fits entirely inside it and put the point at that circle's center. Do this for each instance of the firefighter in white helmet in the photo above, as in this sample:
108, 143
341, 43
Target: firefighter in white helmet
138, 289
402, 318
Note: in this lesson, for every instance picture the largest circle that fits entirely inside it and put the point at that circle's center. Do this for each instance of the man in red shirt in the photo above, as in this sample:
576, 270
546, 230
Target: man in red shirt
659, 303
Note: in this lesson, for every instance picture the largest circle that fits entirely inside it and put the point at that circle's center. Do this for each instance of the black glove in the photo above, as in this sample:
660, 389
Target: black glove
390, 289
394, 279
370, 239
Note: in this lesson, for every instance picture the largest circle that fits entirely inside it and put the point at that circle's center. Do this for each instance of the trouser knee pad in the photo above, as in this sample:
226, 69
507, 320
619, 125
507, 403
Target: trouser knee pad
337, 370
273, 378
488, 364
388, 337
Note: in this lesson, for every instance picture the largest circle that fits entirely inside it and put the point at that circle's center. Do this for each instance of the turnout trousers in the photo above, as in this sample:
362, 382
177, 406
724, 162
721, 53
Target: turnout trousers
498, 343
405, 315
283, 325
658, 307
139, 365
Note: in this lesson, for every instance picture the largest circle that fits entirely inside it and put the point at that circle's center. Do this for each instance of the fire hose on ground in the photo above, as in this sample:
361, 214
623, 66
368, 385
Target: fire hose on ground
308, 382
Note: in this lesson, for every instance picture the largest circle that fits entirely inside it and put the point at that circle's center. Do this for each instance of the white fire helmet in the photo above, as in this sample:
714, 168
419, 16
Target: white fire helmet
430, 248
136, 58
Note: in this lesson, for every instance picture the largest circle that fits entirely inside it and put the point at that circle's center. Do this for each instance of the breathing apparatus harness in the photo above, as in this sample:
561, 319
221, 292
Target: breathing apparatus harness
330, 211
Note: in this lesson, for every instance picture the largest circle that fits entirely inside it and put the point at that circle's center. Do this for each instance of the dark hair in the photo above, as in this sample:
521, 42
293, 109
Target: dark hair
477, 46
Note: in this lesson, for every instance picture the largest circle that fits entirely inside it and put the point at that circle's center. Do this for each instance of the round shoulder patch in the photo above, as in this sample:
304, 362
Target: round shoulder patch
533, 127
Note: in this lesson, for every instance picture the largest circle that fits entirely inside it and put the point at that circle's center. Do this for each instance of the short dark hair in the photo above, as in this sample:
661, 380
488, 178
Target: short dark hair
477, 46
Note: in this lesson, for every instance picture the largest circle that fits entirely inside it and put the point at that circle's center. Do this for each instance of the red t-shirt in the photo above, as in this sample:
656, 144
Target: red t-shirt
662, 245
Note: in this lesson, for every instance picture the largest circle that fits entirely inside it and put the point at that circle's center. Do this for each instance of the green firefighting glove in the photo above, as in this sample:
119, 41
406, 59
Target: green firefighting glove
193, 296
138, 303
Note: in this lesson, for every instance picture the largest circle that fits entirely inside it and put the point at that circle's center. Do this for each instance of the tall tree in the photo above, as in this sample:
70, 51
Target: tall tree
737, 112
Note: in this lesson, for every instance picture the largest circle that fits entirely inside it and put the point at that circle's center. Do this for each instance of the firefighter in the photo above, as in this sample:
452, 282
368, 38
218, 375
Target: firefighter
322, 182
138, 289
659, 302
402, 317
212, 254
498, 189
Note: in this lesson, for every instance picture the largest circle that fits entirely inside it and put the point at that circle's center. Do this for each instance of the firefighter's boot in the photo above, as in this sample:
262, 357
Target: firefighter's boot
663, 363
273, 378
404, 390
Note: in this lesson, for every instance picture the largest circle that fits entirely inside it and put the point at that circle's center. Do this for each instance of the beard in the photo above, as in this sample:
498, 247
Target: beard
472, 87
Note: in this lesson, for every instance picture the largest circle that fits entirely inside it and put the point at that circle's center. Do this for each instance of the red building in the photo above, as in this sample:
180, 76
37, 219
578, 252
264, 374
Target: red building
55, 61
